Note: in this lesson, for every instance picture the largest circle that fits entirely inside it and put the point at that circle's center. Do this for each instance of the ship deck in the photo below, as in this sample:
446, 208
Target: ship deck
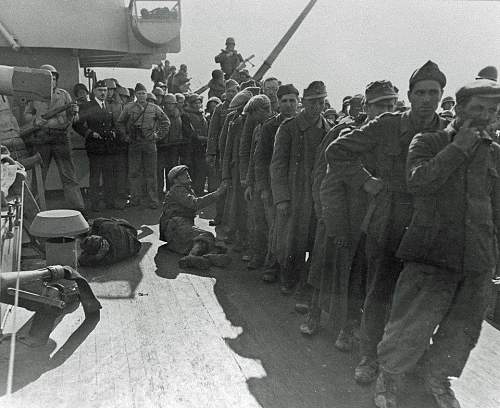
220, 338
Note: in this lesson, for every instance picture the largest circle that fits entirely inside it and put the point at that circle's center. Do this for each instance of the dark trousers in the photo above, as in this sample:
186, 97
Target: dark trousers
61, 152
383, 272
113, 171
142, 173
258, 228
199, 172
426, 298
168, 157
214, 180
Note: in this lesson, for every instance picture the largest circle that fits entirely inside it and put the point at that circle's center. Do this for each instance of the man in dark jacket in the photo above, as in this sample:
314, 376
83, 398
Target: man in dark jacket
450, 250
288, 99
387, 137
229, 59
102, 142
110, 240
292, 165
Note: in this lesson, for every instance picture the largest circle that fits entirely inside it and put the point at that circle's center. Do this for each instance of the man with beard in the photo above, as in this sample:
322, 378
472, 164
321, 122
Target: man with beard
292, 165
288, 99
387, 137
213, 153
338, 266
449, 250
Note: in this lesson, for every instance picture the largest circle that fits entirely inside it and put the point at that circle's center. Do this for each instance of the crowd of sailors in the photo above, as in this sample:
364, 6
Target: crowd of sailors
383, 216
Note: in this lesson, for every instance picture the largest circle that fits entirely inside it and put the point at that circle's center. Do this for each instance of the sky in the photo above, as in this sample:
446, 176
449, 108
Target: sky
345, 43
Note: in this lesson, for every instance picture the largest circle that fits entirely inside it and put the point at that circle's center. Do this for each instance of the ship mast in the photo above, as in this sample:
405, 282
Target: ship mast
266, 65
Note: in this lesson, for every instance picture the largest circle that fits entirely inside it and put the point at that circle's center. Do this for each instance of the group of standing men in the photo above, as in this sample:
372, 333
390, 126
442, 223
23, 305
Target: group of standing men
357, 216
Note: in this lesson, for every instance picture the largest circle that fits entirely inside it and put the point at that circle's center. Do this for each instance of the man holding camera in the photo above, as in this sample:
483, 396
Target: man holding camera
143, 124
102, 141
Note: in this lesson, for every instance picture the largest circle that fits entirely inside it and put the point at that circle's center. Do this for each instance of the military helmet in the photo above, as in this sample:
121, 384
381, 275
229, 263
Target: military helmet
122, 91
158, 92
50, 68
91, 244
150, 96
170, 98
230, 40
110, 83
175, 171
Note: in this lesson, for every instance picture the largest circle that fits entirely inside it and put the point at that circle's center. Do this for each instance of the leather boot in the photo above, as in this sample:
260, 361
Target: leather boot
386, 391
194, 261
440, 389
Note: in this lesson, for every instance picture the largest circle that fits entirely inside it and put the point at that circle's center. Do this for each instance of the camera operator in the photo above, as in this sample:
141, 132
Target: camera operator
143, 124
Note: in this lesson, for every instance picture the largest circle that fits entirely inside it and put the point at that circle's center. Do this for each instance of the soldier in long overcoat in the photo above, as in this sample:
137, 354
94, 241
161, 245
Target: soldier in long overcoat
338, 268
387, 137
292, 164
288, 99
234, 218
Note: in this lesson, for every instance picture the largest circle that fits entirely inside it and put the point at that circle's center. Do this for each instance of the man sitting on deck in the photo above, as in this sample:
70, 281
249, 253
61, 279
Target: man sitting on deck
177, 222
110, 240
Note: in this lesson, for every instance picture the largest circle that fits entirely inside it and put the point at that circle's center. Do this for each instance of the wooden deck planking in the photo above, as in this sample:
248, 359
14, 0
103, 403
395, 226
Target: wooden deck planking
216, 339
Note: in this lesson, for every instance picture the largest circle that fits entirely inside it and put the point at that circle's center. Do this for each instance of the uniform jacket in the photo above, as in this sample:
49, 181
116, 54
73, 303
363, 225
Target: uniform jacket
9, 131
94, 119
62, 120
215, 128
182, 201
154, 123
174, 136
122, 238
456, 220
200, 126
264, 152
295, 149
387, 138
228, 63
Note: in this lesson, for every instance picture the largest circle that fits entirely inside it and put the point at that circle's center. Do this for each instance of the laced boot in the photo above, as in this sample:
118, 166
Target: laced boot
312, 324
194, 261
440, 389
220, 260
366, 371
386, 391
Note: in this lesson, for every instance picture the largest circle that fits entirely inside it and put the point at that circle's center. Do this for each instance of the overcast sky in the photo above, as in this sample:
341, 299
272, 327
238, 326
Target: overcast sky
345, 43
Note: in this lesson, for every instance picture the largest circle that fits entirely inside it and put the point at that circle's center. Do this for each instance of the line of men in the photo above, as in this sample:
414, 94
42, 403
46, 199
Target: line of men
356, 217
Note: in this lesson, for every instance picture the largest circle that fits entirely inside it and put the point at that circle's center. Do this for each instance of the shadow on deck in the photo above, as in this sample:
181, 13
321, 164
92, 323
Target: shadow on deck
300, 371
